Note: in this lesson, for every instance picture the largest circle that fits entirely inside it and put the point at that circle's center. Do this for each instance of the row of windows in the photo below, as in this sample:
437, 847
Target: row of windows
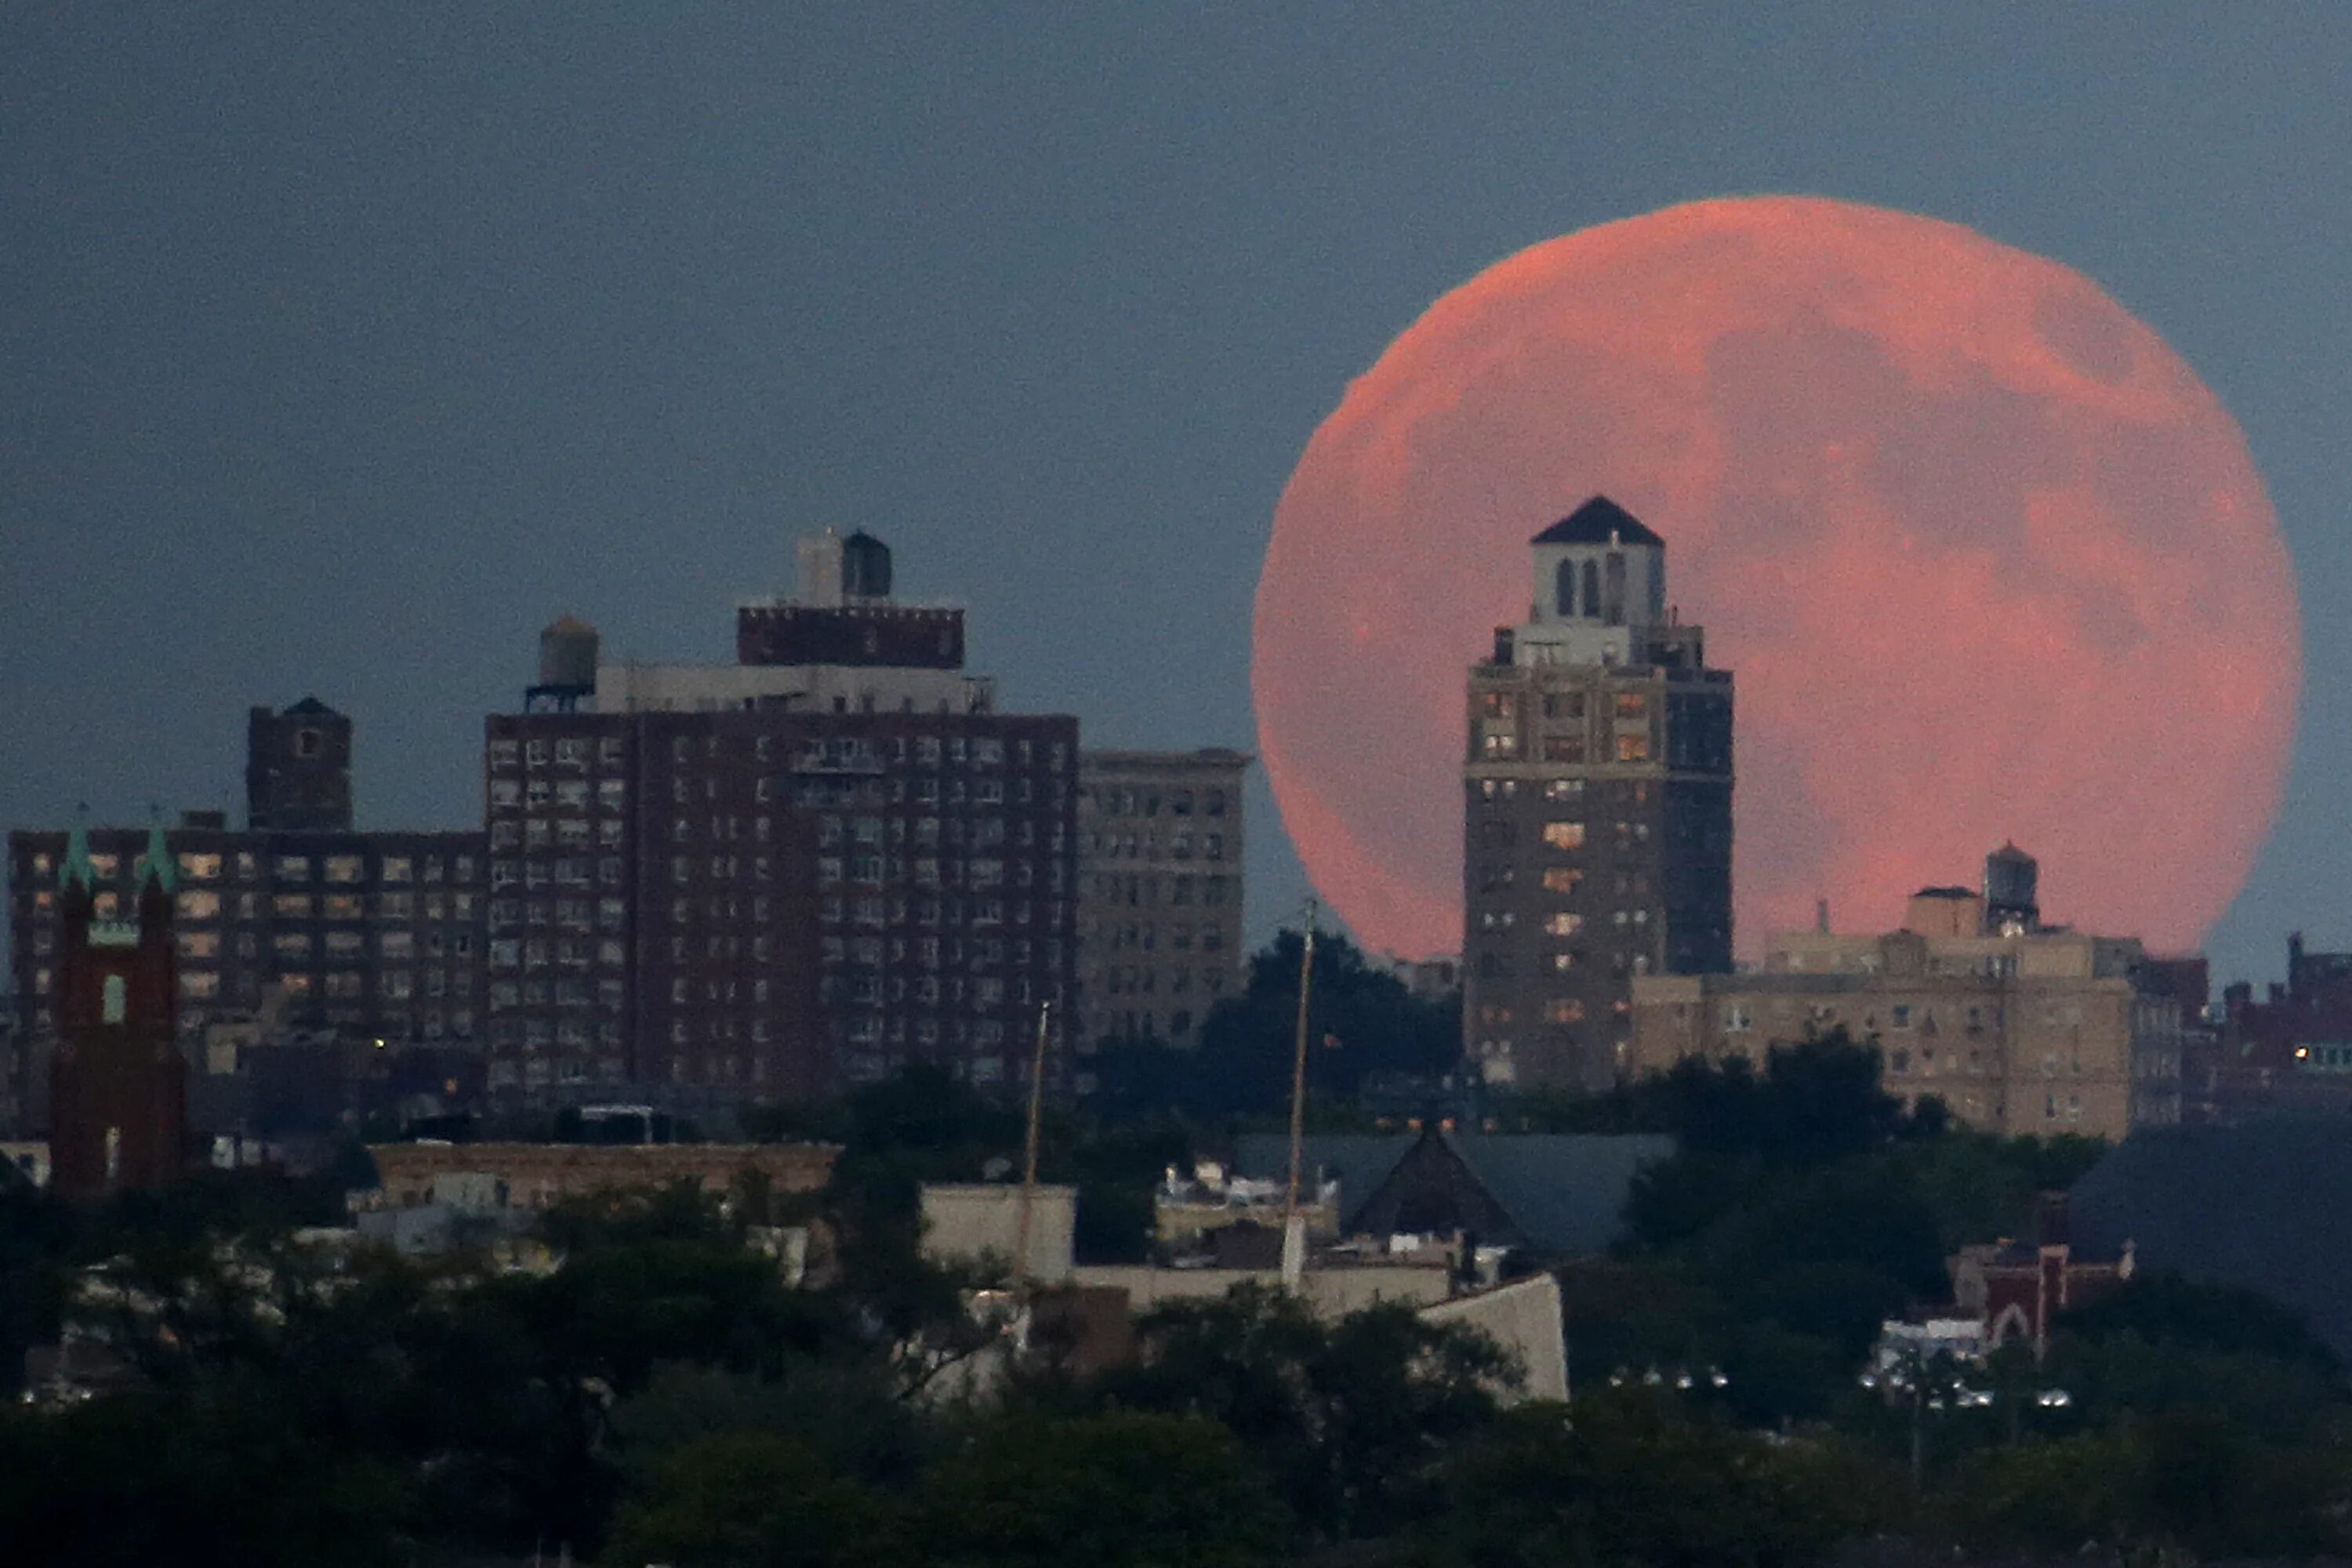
1149, 802
1503, 745
1626, 706
1121, 980
202, 904
1145, 937
1143, 892
1501, 834
1147, 847
1495, 966
925, 751
342, 869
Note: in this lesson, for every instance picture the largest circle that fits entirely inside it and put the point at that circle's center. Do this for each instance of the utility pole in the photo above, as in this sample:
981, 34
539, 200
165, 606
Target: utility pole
1029, 1150
1294, 1244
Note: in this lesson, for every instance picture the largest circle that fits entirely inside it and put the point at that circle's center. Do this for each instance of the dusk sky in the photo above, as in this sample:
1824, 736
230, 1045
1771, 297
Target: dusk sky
341, 348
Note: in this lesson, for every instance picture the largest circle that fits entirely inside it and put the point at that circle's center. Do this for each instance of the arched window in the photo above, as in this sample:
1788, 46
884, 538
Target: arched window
1591, 591
1613, 611
114, 999
1563, 591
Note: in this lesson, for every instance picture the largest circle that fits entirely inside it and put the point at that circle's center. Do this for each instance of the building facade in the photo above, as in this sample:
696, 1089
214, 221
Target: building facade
772, 879
375, 935
2017, 1030
120, 1090
1160, 877
1597, 810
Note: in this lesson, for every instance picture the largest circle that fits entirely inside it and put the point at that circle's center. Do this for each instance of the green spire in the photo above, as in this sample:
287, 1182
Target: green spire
157, 862
76, 866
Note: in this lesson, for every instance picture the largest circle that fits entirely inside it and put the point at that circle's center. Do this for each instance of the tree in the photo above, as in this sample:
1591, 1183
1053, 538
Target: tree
754, 1499
1639, 1479
1363, 1021
1349, 1419
1121, 1489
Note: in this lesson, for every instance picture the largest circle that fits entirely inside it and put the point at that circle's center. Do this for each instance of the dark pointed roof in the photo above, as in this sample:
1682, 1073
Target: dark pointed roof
309, 705
1594, 522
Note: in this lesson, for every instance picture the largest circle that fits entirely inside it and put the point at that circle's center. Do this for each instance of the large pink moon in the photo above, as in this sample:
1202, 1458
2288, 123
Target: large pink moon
1987, 558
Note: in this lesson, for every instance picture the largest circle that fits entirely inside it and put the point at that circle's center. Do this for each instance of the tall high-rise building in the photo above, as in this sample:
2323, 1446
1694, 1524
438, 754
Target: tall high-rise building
119, 1097
1160, 890
771, 879
1597, 809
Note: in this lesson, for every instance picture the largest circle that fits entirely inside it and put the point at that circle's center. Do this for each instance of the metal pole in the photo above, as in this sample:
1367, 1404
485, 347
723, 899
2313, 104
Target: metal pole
1299, 1072
1029, 1151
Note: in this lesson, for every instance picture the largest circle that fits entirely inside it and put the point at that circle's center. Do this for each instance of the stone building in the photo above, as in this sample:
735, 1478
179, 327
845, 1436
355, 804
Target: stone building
374, 935
1597, 811
2016, 1028
1160, 890
771, 878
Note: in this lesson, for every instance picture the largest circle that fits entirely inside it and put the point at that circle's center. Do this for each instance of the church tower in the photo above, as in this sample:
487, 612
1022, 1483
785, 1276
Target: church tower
119, 1094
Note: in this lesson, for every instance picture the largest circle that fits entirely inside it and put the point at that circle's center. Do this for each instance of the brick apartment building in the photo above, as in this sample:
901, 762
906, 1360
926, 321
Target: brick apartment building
772, 879
374, 935
1160, 904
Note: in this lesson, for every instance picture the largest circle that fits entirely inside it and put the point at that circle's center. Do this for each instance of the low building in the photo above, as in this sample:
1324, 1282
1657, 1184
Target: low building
975, 1222
2016, 1028
534, 1175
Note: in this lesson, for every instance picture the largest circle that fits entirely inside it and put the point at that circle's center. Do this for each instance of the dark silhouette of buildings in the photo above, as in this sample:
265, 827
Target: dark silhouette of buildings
120, 1094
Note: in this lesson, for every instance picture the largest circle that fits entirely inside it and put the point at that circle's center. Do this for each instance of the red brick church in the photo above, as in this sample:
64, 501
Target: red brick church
119, 1091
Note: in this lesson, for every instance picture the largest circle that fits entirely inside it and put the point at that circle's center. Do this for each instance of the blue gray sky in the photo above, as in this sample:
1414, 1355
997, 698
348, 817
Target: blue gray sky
341, 346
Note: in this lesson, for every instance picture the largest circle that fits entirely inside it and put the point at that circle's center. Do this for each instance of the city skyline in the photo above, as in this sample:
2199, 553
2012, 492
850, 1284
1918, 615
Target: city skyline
354, 414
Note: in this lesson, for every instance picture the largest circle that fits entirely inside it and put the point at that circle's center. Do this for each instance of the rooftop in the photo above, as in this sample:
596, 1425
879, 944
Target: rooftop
1599, 521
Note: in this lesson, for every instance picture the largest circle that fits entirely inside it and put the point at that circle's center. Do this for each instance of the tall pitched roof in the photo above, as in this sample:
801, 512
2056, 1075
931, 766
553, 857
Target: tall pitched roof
1599, 521
1565, 1192
77, 866
158, 862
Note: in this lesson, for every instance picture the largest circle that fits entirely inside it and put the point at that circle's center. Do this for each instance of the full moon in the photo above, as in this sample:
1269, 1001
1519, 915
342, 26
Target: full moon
1986, 560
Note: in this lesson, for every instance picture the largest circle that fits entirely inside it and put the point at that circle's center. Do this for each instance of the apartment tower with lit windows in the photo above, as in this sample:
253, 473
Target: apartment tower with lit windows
1597, 809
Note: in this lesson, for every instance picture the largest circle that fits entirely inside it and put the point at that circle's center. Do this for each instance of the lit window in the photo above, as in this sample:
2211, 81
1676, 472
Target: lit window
1564, 835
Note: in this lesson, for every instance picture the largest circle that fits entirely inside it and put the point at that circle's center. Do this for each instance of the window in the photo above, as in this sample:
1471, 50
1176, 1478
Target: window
1563, 923
293, 868
291, 906
1632, 748
1633, 705
346, 906
194, 868
344, 868
1563, 747
1564, 1010
1563, 705
1737, 1019
199, 905
1561, 879
395, 868
1564, 835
